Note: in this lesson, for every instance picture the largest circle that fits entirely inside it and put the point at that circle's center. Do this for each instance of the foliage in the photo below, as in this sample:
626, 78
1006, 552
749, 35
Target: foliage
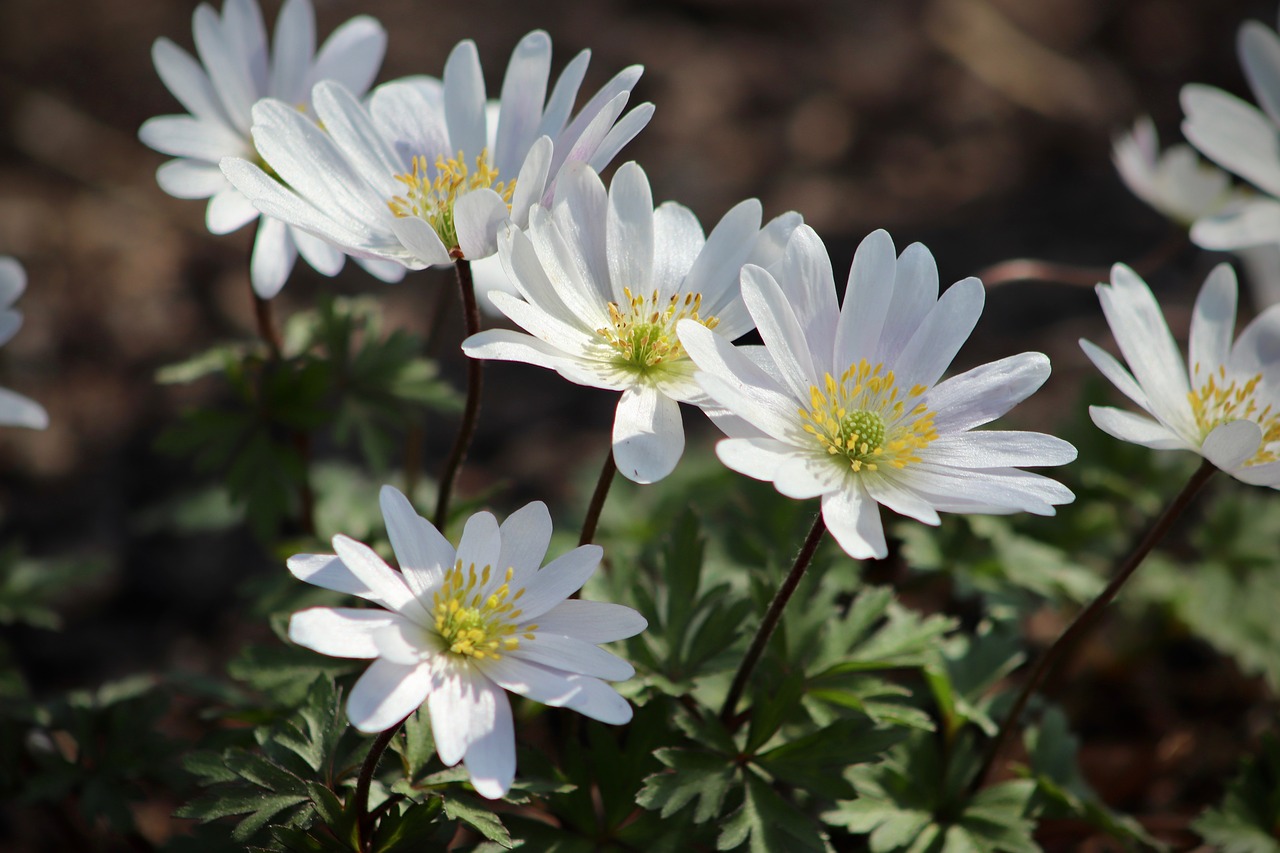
1248, 821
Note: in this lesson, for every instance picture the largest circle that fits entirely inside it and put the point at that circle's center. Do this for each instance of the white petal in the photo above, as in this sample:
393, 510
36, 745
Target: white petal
581, 214
592, 621
363, 147
573, 655
324, 257
190, 179
183, 136
759, 458
677, 240
13, 280
1233, 134
351, 55
409, 117
1230, 444
1213, 322
455, 711
228, 211
588, 696
606, 100
1116, 373
477, 216
940, 335
186, 79
866, 300
902, 500
423, 553
781, 330
1259, 50
806, 278
292, 46
563, 94
383, 585
342, 632
986, 392
421, 240
525, 534
1136, 429
623, 131
274, 254
1252, 223
386, 694
481, 545
992, 490
806, 475
1257, 350
558, 580
464, 100
1000, 449
491, 754
226, 64
17, 410
1266, 474
854, 521
716, 270
915, 292
507, 345
630, 232
648, 434
532, 180
565, 265
524, 88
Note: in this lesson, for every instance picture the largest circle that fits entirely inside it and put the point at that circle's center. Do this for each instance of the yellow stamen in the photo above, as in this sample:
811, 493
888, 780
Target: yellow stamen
431, 192
643, 332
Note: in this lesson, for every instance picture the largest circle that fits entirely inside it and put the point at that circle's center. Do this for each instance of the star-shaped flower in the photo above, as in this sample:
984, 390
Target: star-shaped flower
457, 628
1223, 403
846, 403
15, 409
423, 176
234, 70
603, 279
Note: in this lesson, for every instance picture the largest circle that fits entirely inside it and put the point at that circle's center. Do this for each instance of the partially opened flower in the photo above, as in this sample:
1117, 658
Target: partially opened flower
1242, 139
846, 403
604, 278
1225, 407
423, 176
235, 69
1175, 182
15, 409
461, 626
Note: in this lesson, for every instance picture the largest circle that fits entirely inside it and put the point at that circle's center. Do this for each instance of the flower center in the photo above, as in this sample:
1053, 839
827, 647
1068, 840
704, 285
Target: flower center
473, 624
864, 418
643, 332
1218, 401
431, 192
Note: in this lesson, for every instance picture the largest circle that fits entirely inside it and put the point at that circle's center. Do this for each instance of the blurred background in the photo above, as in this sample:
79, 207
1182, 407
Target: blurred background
980, 127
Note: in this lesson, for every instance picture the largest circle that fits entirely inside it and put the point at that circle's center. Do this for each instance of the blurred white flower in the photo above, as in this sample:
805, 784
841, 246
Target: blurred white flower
460, 627
234, 70
602, 281
417, 177
15, 409
1176, 182
1226, 407
846, 404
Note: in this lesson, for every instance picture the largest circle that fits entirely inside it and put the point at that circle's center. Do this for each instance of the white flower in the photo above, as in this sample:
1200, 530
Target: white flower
15, 409
460, 627
1176, 182
605, 279
1244, 140
235, 69
1227, 410
846, 404
418, 177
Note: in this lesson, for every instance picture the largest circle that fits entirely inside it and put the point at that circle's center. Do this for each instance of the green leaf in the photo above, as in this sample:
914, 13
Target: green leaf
476, 816
1248, 820
704, 777
816, 762
767, 823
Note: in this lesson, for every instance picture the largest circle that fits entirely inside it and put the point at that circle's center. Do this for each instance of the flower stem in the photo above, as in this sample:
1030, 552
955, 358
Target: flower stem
1085, 618
471, 411
597, 498
364, 818
771, 618
263, 313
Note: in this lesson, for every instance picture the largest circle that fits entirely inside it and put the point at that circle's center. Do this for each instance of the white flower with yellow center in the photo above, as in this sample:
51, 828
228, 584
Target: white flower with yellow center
15, 409
1226, 407
602, 281
845, 402
235, 69
422, 176
460, 627
1175, 182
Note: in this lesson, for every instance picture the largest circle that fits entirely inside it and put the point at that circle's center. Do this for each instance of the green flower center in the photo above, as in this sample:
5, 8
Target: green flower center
473, 624
431, 197
864, 419
642, 332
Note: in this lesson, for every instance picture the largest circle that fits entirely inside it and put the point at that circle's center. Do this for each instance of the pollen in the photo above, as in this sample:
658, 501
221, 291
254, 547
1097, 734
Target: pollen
474, 623
642, 332
866, 421
1219, 400
431, 190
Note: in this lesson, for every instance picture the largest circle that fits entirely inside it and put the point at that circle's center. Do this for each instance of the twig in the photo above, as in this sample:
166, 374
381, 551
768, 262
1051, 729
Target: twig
589, 524
364, 818
471, 411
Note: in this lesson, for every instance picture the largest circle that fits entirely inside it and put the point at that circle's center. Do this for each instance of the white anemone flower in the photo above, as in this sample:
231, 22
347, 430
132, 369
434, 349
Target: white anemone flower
461, 626
604, 278
1225, 407
846, 404
1175, 182
15, 409
234, 70
1244, 140
418, 178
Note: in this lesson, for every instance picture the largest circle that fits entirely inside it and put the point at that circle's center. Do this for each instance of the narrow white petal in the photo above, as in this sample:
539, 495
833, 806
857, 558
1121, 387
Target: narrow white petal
1259, 49
420, 239
464, 100
349, 125
508, 345
351, 55
784, 336
581, 214
184, 136
274, 254
588, 696
1213, 322
525, 535
592, 621
806, 278
423, 553
386, 694
1257, 350
623, 131
342, 632
902, 500
190, 178
986, 392
677, 240
648, 434
1229, 445
524, 89
999, 449
716, 270
573, 655
293, 45
324, 257
226, 64
532, 180
186, 79
940, 335
1114, 371
807, 475
1136, 429
477, 217
1267, 474
381, 583
411, 119
915, 292
1252, 223
991, 491
759, 458
563, 94
453, 709
491, 754
17, 410
481, 545
558, 580
854, 521
630, 232
866, 300
585, 135
228, 211
566, 266
1232, 133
